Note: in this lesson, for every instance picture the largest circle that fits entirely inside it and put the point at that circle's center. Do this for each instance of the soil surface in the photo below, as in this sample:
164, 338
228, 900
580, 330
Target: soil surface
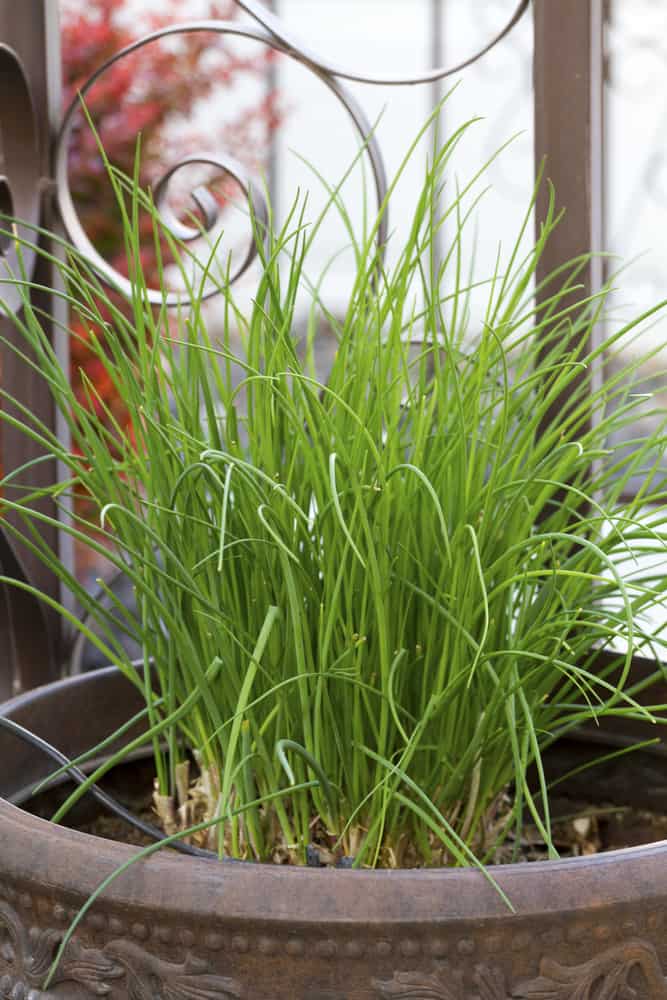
578, 829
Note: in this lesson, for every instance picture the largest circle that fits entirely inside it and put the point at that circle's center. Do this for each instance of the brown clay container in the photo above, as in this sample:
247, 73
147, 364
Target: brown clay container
176, 928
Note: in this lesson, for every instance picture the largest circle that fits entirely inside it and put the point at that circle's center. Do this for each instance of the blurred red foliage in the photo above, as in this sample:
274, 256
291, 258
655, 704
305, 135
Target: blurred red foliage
156, 92
153, 92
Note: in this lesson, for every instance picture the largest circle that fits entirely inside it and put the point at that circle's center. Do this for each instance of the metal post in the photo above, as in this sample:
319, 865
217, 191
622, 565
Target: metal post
569, 134
568, 73
569, 101
29, 31
437, 53
273, 153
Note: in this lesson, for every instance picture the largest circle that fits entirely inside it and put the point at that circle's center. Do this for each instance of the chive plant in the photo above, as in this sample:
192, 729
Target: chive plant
366, 604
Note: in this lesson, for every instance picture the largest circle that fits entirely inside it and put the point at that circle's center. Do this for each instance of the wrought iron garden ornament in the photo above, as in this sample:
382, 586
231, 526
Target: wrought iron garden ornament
269, 30
19, 187
607, 943
22, 182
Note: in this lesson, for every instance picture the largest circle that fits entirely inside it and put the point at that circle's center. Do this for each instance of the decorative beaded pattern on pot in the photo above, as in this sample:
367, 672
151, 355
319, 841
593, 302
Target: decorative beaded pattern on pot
122, 965
26, 954
606, 975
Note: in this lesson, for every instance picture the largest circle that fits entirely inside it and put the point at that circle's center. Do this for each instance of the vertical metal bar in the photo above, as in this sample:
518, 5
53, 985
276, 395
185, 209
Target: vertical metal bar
273, 155
57, 306
437, 46
26, 628
569, 102
568, 74
437, 91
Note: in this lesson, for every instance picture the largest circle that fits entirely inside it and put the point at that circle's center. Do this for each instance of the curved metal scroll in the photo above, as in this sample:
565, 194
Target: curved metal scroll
210, 208
24, 628
68, 212
300, 51
19, 173
268, 30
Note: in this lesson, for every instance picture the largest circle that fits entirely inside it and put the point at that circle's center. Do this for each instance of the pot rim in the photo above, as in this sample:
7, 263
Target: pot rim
292, 895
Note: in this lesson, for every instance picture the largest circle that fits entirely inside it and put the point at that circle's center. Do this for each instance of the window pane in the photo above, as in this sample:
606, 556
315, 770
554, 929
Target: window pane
636, 177
399, 38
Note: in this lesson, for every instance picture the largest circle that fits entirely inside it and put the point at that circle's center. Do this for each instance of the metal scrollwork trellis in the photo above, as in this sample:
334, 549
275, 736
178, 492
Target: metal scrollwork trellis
567, 62
19, 168
269, 30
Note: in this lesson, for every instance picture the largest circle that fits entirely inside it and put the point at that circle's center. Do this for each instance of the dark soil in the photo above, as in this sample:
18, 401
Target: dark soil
578, 827
583, 829
113, 828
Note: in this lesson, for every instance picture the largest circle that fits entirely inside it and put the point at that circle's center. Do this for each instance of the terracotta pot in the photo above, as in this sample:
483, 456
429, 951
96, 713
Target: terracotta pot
174, 928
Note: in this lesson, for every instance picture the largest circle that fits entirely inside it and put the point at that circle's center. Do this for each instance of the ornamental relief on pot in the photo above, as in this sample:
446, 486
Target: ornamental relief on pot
26, 955
628, 971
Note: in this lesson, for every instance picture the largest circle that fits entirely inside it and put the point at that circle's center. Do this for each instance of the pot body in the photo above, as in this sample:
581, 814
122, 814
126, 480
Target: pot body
177, 928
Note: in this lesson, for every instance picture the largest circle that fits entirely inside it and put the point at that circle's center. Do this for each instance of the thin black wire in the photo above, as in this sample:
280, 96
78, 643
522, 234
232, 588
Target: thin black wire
102, 797
119, 810
115, 807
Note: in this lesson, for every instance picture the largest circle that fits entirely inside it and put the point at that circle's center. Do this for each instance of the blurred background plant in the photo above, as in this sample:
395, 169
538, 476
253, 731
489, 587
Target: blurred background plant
156, 93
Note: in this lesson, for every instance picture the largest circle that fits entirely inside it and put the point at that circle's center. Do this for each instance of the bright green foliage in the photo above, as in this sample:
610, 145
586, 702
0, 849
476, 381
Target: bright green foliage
388, 588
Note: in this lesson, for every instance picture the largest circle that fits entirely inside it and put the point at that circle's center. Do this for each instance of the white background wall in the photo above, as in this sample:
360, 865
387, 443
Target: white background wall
395, 37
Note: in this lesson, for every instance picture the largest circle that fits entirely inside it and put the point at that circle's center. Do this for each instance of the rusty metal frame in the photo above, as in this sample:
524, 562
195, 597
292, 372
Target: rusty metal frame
568, 73
569, 129
28, 631
568, 79
265, 27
